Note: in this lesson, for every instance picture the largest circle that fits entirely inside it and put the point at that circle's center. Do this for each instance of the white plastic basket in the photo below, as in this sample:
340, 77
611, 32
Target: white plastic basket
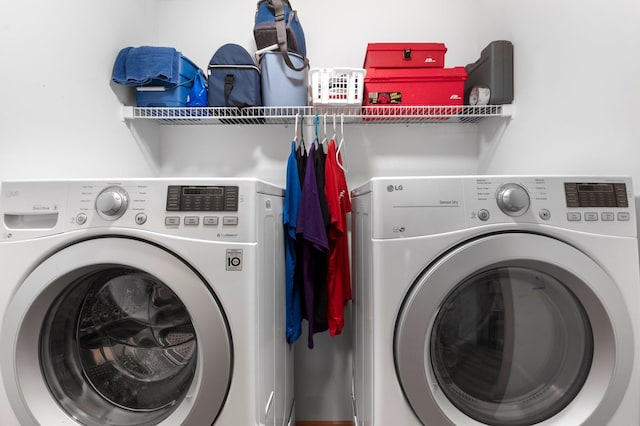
336, 86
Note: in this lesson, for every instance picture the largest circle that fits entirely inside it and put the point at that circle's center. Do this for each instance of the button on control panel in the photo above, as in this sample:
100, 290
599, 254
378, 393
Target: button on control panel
591, 216
230, 220
172, 220
624, 216
141, 218
210, 220
81, 219
607, 216
191, 220
483, 215
574, 217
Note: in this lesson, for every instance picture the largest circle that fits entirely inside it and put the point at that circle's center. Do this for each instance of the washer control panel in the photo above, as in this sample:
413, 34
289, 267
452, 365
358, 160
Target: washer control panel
208, 210
217, 209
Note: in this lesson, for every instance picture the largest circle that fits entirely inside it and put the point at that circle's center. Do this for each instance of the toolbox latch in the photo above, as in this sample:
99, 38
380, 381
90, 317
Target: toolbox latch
407, 54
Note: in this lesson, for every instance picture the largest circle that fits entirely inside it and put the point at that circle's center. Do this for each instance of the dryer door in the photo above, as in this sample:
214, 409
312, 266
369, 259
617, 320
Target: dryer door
514, 329
115, 331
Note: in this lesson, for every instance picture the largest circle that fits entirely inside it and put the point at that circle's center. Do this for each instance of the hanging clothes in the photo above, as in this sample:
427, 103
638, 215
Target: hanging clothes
293, 194
311, 231
321, 259
318, 281
343, 243
301, 157
338, 266
298, 280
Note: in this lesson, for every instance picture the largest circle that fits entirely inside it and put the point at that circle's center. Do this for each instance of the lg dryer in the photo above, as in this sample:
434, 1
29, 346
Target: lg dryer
501, 300
143, 302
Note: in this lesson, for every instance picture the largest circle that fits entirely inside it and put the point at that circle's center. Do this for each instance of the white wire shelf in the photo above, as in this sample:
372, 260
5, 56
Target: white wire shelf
348, 114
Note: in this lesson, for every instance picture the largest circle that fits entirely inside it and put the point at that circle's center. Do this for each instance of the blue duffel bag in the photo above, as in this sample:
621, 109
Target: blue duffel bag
233, 78
277, 27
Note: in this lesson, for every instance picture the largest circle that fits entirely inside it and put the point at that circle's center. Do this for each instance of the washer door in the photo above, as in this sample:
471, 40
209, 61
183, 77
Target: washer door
514, 329
124, 333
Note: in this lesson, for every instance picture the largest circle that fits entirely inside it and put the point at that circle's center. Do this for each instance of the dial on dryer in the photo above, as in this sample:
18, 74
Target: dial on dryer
513, 199
112, 202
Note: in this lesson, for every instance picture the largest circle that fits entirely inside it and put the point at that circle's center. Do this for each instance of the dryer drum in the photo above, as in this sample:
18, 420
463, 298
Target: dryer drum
511, 345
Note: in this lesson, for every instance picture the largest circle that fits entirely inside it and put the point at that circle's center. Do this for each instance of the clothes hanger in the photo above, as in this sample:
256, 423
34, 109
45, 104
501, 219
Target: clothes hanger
324, 135
340, 144
295, 130
315, 139
302, 144
333, 138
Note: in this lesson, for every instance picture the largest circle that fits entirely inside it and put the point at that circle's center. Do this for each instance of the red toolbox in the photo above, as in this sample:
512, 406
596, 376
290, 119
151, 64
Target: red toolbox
405, 55
414, 86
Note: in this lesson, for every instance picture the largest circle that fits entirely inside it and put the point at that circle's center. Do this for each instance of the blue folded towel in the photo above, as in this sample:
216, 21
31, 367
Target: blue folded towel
146, 65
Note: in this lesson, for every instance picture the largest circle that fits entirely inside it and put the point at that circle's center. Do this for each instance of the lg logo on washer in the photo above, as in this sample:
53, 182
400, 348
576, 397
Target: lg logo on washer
391, 188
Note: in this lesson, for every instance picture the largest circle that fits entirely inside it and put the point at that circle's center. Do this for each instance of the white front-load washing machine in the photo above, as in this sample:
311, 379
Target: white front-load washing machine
143, 302
499, 300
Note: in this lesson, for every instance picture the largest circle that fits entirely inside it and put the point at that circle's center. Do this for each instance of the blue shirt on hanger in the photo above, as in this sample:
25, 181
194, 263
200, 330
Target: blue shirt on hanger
293, 194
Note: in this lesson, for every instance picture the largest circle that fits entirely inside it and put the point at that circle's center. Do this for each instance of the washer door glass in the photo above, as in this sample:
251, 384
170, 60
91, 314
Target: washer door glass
125, 333
510, 344
127, 336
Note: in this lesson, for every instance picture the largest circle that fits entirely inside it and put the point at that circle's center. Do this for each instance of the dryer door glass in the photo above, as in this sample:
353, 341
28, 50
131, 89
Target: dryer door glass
511, 346
120, 342
514, 329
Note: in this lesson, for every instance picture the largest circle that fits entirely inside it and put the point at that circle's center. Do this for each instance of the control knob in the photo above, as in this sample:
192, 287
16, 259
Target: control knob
513, 199
112, 202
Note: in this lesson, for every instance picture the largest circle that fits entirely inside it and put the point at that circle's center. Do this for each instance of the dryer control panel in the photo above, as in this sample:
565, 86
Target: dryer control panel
416, 206
602, 205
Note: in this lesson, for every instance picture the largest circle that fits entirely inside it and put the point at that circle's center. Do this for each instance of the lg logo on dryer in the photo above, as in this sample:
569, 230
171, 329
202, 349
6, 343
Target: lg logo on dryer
391, 188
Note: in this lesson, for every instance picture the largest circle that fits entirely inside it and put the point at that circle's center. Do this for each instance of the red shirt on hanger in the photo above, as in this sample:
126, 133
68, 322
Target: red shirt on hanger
338, 268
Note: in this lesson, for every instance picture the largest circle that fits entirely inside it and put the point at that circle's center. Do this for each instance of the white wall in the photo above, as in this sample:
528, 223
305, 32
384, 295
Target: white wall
576, 87
576, 90
59, 115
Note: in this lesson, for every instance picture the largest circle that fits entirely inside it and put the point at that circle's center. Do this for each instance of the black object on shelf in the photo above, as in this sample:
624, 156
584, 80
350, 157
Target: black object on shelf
494, 70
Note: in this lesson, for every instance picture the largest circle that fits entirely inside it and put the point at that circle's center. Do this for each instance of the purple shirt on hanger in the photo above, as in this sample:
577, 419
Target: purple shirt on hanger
310, 226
